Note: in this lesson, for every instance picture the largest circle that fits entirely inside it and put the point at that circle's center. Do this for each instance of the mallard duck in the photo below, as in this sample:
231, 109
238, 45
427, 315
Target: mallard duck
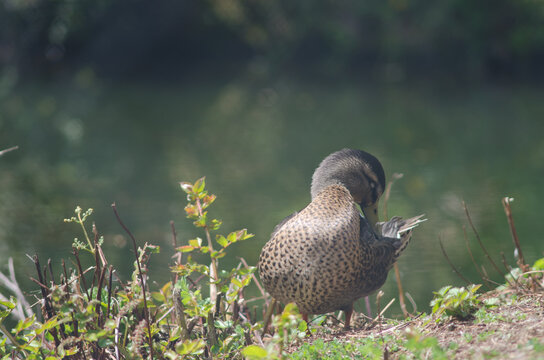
328, 255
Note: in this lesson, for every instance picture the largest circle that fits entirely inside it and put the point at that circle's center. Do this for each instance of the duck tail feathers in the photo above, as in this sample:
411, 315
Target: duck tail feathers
401, 229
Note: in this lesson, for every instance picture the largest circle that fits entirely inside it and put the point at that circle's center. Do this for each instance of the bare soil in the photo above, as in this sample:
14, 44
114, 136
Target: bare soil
512, 330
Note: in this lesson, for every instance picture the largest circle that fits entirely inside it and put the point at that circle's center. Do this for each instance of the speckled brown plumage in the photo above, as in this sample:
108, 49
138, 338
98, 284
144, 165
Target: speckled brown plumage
326, 256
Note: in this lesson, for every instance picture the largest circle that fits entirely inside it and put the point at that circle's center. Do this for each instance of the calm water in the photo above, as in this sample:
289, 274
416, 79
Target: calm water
90, 143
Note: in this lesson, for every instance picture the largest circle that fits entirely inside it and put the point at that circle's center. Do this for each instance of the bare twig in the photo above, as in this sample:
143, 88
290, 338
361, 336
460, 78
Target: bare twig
451, 264
507, 209
44, 290
368, 307
99, 248
387, 193
212, 333
50, 266
411, 299
268, 315
380, 314
394, 177
178, 256
110, 278
484, 278
508, 270
379, 318
140, 275
214, 274
23, 309
180, 313
75, 251
261, 289
5, 151
480, 240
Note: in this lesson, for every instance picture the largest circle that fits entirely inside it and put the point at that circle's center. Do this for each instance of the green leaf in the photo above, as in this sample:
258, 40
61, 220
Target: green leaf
232, 238
254, 352
199, 185
216, 224
201, 221
9, 304
158, 296
195, 242
539, 264
236, 282
190, 347
218, 254
185, 248
221, 240
48, 325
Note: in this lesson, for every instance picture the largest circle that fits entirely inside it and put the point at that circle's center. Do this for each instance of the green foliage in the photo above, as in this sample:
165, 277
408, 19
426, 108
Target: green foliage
456, 302
321, 36
95, 315
538, 265
290, 328
80, 219
532, 278
369, 348
536, 345
421, 347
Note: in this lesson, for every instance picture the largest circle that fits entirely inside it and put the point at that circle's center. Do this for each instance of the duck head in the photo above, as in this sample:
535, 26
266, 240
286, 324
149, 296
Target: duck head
360, 172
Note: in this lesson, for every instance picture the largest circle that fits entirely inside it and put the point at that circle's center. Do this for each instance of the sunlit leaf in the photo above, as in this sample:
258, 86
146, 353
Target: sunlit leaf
191, 211
195, 242
232, 238
539, 264
254, 352
221, 240
236, 282
158, 296
9, 304
215, 224
185, 248
199, 185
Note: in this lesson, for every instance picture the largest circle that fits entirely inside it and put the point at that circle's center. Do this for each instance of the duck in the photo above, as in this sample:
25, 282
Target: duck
335, 251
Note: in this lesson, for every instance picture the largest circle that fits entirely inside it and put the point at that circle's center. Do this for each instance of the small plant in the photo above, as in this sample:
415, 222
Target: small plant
92, 314
422, 347
80, 218
456, 302
290, 328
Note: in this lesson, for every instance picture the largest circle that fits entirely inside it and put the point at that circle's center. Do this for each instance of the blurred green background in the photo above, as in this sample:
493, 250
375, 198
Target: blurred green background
118, 101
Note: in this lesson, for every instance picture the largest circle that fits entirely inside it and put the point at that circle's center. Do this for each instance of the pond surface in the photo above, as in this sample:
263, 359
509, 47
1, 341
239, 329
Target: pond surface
91, 143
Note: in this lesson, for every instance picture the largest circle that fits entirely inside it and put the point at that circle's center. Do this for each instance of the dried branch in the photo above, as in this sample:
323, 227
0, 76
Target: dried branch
484, 278
261, 289
480, 240
394, 177
110, 278
5, 151
451, 264
180, 313
23, 309
140, 275
268, 315
45, 296
75, 251
507, 209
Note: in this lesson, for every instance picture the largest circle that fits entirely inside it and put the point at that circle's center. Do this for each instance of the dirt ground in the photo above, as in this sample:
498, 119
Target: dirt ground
512, 330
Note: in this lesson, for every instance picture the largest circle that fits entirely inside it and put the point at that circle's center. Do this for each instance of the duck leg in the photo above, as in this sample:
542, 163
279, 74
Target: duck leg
347, 314
305, 317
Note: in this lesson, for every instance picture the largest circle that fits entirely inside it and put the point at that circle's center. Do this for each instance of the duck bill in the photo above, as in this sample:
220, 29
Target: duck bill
371, 215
